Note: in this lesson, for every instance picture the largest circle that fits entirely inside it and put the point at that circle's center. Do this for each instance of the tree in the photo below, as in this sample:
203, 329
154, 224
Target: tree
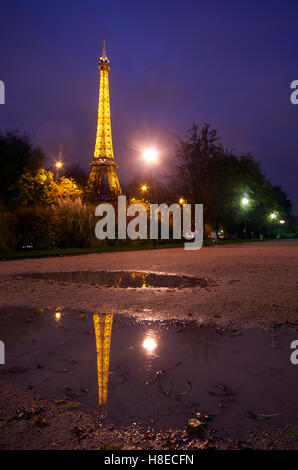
64, 188
192, 159
32, 188
41, 188
78, 174
218, 179
17, 157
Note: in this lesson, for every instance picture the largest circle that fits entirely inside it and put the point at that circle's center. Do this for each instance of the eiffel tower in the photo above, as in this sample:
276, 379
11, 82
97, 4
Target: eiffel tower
103, 330
103, 181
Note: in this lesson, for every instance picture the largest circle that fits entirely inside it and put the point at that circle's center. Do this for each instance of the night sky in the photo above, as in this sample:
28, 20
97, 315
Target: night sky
229, 63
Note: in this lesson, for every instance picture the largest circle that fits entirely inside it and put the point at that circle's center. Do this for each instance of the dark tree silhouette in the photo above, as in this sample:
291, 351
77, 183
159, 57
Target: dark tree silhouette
17, 156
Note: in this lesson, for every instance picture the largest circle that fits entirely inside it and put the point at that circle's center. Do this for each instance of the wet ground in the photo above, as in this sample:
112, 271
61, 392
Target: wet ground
160, 350
249, 282
159, 374
122, 279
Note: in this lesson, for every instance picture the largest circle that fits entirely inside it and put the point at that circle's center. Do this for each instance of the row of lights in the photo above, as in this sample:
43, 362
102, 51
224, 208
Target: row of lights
245, 201
144, 188
150, 156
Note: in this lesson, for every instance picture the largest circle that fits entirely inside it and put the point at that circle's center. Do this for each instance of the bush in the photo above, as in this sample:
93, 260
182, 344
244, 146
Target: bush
75, 224
34, 227
7, 236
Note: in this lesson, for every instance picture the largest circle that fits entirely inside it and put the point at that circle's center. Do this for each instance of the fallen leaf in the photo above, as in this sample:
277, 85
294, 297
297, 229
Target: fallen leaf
261, 416
197, 425
61, 401
27, 413
40, 422
70, 406
81, 432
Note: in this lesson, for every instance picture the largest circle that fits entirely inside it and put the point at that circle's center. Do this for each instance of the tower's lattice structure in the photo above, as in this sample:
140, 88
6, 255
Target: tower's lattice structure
103, 180
103, 329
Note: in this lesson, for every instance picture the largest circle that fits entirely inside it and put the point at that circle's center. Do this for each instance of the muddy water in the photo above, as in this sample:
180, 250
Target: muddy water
122, 279
149, 372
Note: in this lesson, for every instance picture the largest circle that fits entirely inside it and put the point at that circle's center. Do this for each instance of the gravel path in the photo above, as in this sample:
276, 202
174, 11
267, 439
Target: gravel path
248, 283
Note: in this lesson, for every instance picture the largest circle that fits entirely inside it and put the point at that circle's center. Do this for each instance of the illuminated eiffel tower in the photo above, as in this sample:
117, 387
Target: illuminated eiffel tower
103, 330
103, 180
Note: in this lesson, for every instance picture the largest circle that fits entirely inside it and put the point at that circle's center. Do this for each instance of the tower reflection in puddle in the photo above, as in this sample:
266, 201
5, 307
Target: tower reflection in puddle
138, 279
103, 330
103, 323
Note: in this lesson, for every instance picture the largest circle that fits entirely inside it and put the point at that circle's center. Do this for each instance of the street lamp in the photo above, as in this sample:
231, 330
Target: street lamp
272, 216
144, 187
282, 221
244, 201
58, 166
150, 156
181, 201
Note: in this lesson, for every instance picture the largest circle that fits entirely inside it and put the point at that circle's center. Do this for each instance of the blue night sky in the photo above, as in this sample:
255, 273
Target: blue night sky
229, 63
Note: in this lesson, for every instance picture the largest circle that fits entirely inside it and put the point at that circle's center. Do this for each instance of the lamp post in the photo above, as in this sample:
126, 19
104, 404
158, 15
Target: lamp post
150, 156
244, 202
58, 166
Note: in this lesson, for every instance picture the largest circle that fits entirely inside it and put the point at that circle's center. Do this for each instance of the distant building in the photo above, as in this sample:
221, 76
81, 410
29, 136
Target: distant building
103, 180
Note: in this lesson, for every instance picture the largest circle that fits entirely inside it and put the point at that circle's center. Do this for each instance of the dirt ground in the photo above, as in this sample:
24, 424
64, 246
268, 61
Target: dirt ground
28, 422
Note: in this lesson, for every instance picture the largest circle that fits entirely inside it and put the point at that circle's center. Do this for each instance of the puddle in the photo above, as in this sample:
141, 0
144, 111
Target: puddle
156, 373
122, 279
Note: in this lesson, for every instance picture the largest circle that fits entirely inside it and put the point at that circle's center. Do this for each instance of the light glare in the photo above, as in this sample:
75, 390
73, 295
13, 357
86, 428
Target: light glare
149, 344
150, 155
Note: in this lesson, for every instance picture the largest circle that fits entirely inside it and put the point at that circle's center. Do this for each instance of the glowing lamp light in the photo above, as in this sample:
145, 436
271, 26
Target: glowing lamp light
245, 201
181, 200
58, 315
150, 155
282, 221
149, 344
272, 216
59, 164
144, 187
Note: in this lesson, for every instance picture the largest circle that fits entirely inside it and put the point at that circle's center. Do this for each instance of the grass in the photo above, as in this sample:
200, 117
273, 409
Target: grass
81, 251
12, 255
